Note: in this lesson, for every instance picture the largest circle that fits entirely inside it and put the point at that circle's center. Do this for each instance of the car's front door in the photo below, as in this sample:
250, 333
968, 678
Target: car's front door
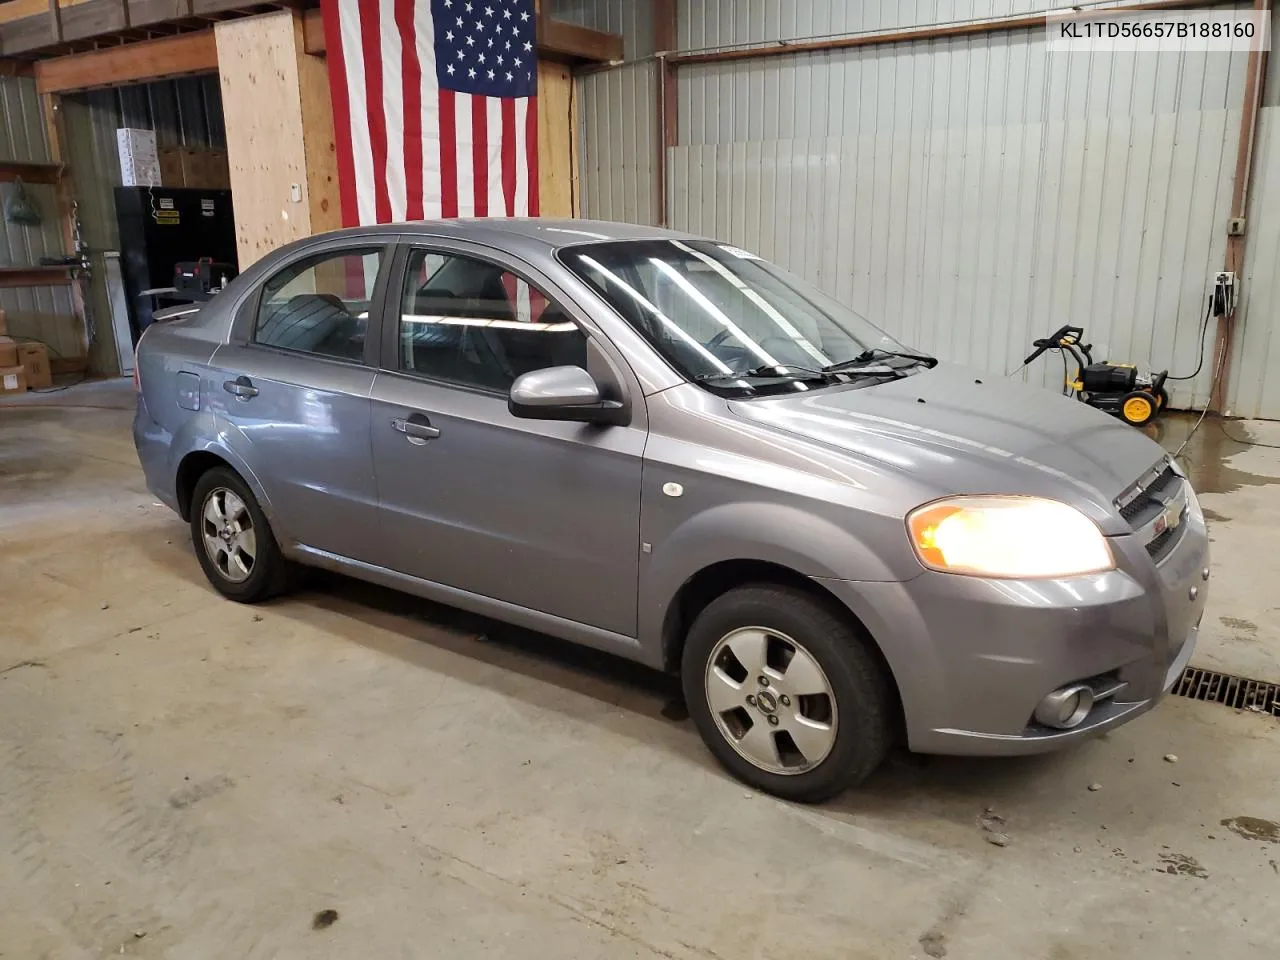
292, 388
541, 514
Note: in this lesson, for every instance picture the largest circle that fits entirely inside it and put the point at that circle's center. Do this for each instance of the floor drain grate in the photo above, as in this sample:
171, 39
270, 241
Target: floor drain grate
1197, 683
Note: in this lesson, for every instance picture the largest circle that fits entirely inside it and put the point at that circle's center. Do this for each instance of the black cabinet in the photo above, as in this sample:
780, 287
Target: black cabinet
161, 227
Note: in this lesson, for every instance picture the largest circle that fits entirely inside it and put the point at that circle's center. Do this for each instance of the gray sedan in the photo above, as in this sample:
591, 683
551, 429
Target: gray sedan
667, 448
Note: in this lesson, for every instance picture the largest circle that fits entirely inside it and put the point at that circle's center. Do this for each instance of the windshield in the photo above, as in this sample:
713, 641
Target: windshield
724, 317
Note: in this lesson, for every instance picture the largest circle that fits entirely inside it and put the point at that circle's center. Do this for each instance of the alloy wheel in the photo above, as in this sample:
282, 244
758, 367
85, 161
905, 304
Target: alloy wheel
771, 700
229, 536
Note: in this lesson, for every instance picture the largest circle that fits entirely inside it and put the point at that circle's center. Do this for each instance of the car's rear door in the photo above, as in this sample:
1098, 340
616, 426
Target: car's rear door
541, 514
292, 387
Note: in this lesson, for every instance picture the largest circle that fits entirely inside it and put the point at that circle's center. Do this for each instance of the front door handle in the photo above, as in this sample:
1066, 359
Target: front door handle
241, 388
416, 428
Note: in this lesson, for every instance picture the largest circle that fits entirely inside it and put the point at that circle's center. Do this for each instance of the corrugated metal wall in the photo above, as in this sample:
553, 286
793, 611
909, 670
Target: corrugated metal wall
38, 313
183, 113
967, 194
620, 141
618, 114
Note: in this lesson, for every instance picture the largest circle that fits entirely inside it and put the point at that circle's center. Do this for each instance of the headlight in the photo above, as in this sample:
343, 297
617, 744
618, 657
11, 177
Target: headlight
1007, 537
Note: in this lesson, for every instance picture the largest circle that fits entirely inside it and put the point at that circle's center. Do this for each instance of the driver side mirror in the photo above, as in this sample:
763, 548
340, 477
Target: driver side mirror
562, 393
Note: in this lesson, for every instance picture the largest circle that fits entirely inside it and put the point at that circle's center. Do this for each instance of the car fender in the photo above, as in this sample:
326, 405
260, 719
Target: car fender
207, 433
789, 537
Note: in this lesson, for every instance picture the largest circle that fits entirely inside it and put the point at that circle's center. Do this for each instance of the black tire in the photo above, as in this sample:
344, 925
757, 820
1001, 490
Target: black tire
270, 572
863, 701
1162, 399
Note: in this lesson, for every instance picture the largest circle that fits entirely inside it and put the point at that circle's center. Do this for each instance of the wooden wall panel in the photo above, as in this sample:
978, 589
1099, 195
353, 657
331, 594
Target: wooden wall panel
279, 133
557, 160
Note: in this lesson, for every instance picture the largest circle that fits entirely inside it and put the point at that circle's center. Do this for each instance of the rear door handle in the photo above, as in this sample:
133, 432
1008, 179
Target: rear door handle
416, 428
241, 388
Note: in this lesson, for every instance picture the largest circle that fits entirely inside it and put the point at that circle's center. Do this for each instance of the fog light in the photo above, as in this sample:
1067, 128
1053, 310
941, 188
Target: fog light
1065, 708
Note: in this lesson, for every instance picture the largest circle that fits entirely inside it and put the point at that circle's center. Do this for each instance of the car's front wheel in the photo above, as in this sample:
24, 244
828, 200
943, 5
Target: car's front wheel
786, 693
233, 540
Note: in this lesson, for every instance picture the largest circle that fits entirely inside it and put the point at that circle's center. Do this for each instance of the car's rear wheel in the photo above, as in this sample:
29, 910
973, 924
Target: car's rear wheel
233, 540
786, 693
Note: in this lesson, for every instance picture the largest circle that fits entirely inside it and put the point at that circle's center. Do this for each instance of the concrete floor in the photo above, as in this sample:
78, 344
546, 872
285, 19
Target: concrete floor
184, 777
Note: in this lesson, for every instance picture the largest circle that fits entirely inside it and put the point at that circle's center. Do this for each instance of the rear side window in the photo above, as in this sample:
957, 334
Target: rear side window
320, 305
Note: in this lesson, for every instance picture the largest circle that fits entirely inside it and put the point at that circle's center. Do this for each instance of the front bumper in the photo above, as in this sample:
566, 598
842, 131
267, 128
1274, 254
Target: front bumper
973, 657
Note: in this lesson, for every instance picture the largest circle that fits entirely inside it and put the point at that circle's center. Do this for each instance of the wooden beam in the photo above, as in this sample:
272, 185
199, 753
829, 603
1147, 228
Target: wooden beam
313, 33
17, 68
46, 173
20, 9
187, 53
34, 277
556, 40
664, 38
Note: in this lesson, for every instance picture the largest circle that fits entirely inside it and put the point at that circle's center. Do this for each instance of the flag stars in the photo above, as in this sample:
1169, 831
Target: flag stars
480, 26
500, 61
488, 11
508, 44
471, 73
508, 76
490, 74
467, 8
459, 21
528, 45
524, 16
471, 41
462, 54
449, 69
491, 43
480, 58
506, 14
449, 35
517, 61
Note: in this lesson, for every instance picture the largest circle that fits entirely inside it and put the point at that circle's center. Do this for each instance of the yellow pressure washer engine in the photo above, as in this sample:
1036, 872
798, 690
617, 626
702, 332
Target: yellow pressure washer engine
1115, 388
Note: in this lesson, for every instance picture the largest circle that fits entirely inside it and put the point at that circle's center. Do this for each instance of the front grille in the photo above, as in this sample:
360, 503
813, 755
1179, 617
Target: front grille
1163, 545
1149, 498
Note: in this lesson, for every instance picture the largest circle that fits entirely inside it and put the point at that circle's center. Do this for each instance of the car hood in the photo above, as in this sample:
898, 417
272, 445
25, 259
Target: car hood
957, 431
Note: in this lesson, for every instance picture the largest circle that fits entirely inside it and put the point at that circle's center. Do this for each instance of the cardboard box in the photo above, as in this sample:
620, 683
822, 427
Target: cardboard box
219, 171
194, 168
34, 358
12, 380
9, 352
139, 162
171, 171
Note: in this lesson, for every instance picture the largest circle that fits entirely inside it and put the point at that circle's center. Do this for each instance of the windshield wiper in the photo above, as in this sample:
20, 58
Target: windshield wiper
871, 356
780, 371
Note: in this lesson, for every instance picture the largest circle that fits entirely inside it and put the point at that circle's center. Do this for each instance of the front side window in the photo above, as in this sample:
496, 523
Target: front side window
471, 322
726, 318
320, 305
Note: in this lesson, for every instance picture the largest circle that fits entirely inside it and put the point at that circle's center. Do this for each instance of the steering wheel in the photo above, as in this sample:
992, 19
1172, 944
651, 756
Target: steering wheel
719, 339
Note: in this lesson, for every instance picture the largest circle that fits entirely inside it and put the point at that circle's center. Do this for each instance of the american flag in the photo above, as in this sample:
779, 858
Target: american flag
434, 108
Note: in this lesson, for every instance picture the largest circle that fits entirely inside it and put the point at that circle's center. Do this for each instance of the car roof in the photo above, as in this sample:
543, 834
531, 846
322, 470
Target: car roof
549, 233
